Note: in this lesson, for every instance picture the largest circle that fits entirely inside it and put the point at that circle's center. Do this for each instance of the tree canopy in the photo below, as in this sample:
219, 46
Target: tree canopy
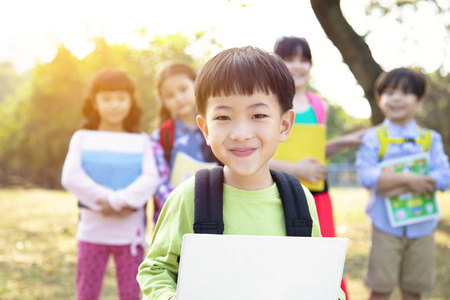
37, 122
357, 55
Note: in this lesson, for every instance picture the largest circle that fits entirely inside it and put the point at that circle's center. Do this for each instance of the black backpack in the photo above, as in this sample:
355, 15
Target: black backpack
209, 202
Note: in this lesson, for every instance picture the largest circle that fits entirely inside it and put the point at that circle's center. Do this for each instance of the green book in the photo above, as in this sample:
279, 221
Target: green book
407, 208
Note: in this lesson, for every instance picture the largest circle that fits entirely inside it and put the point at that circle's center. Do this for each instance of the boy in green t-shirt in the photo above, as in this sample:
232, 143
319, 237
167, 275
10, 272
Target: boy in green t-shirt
244, 98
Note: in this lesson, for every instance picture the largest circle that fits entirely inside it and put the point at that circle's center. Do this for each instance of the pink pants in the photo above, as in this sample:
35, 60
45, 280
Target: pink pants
92, 261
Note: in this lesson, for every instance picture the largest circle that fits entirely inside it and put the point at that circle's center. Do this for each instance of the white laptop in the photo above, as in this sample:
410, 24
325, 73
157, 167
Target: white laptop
233, 267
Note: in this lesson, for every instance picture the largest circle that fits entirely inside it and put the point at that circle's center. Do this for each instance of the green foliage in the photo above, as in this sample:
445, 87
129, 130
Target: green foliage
37, 122
40, 120
9, 80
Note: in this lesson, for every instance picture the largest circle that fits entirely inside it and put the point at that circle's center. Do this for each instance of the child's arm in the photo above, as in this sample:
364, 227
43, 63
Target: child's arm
308, 168
344, 142
393, 184
75, 180
367, 165
389, 184
438, 176
439, 169
140, 191
158, 272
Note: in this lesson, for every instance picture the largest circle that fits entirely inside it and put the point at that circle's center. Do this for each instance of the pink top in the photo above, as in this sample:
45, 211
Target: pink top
93, 226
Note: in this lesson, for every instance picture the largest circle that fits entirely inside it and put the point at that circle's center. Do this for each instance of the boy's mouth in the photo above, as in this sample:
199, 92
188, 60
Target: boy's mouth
298, 74
244, 152
396, 108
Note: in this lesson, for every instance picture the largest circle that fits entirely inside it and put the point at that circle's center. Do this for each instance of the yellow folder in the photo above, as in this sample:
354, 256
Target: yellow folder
304, 141
185, 166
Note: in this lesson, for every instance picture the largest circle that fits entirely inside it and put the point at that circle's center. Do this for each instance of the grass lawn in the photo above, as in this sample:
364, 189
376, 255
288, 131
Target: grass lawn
38, 245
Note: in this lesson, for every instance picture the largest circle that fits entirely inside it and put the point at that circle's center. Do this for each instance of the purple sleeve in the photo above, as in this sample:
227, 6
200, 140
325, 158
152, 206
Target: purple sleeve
165, 187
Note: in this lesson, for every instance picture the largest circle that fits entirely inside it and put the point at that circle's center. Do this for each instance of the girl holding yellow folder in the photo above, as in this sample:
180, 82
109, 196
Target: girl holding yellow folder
311, 109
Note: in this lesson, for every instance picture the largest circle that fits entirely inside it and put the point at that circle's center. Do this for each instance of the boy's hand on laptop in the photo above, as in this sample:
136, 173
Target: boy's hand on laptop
310, 169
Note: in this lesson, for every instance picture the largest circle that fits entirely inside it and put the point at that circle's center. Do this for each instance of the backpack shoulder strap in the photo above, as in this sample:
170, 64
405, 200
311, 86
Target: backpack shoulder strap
425, 138
318, 105
208, 201
383, 138
166, 137
296, 211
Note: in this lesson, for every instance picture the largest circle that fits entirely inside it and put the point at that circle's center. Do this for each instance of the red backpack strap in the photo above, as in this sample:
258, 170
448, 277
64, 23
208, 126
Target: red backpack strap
166, 137
318, 106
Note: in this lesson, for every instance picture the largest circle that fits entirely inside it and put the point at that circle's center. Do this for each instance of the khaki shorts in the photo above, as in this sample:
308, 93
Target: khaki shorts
407, 263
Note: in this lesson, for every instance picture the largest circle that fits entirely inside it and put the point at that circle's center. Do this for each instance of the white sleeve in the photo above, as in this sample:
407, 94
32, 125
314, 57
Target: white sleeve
77, 181
143, 188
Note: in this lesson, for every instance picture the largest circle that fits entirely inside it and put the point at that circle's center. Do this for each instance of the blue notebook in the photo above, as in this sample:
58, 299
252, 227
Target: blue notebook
112, 159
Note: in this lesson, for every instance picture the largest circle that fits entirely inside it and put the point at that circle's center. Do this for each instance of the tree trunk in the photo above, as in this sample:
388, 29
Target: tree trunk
353, 48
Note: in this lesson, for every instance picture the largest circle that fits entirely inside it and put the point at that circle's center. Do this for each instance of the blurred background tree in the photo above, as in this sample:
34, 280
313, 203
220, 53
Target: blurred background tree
357, 55
353, 47
435, 111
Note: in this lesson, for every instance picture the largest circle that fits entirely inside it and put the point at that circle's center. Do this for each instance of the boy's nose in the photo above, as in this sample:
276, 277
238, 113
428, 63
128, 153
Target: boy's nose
179, 96
297, 64
397, 96
115, 102
241, 132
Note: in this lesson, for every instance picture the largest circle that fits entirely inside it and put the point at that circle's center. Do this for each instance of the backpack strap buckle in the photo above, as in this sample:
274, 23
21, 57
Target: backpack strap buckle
302, 227
208, 227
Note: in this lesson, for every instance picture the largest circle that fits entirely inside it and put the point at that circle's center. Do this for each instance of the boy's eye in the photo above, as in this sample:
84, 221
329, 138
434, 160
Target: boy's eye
259, 116
105, 98
288, 59
389, 91
222, 118
406, 93
168, 96
304, 59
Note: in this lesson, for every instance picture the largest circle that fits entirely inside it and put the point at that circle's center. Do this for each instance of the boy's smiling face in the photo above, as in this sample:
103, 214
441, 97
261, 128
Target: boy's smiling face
399, 106
244, 132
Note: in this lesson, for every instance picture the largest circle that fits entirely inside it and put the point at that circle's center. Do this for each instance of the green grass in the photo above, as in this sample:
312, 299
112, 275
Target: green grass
38, 245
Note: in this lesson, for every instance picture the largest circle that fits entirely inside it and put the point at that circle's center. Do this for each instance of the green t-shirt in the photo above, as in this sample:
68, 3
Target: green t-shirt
244, 213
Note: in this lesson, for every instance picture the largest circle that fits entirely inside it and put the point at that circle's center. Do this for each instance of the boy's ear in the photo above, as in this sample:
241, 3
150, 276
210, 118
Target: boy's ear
201, 122
287, 121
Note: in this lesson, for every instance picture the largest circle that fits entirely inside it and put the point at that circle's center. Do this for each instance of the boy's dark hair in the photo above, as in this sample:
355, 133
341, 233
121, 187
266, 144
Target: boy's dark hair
110, 80
292, 46
244, 71
406, 79
176, 68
